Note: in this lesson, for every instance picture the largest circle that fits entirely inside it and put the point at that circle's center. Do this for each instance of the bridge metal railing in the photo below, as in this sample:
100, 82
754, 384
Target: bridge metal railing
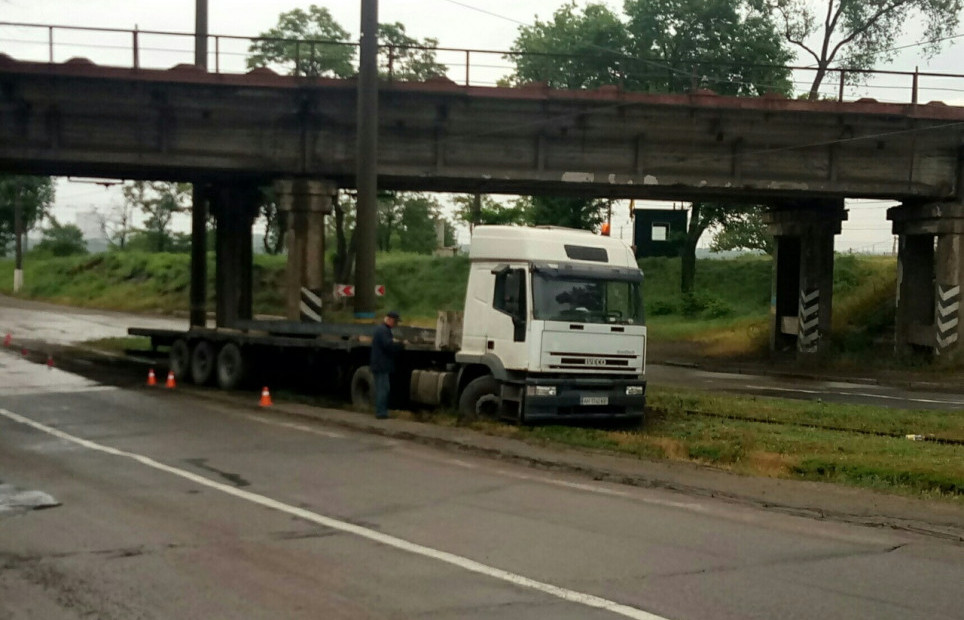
154, 49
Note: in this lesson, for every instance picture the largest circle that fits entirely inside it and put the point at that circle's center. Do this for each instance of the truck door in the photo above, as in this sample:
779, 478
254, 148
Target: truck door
506, 336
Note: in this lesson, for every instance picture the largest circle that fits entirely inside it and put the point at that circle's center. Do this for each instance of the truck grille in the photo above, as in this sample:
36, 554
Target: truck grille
588, 361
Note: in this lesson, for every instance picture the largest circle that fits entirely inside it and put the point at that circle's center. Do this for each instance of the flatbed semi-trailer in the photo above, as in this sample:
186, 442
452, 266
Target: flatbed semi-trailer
553, 329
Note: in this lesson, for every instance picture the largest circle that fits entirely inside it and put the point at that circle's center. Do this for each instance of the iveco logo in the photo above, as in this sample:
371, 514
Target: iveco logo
595, 361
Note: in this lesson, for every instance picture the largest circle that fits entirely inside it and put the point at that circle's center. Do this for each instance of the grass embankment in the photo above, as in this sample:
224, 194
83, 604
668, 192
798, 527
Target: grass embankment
728, 314
853, 445
417, 286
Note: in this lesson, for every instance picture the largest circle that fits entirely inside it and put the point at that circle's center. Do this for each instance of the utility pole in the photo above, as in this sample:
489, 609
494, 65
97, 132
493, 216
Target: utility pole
476, 212
201, 34
366, 226
18, 232
199, 211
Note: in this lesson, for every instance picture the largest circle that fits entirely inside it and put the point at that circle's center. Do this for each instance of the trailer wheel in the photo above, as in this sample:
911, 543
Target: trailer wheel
363, 388
480, 398
202, 363
231, 367
180, 359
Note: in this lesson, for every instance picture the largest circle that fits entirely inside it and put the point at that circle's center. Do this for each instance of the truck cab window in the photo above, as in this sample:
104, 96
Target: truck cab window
510, 298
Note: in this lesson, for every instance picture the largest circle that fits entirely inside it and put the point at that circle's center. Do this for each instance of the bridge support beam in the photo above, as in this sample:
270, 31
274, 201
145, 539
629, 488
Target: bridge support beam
930, 278
234, 207
802, 292
305, 203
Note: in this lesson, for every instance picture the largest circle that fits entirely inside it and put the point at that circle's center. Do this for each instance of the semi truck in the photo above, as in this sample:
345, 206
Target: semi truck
552, 330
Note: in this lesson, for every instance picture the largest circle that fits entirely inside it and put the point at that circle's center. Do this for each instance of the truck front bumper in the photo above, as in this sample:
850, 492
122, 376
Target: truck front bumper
584, 399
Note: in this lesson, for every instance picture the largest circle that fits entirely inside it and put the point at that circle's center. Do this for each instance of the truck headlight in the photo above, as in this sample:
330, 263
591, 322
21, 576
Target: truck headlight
635, 390
540, 390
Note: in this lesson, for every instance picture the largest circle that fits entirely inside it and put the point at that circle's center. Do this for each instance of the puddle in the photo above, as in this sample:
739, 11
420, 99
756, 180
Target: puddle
13, 500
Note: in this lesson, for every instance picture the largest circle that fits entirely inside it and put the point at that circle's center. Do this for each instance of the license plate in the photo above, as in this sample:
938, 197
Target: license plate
594, 400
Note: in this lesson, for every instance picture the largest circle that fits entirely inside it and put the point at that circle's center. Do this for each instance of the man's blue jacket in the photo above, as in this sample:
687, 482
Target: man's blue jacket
383, 350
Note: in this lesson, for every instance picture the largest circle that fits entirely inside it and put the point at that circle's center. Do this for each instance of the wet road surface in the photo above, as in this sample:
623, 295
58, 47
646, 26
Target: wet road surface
172, 506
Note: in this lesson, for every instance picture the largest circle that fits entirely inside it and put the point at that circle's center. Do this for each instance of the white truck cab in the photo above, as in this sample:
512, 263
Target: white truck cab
553, 326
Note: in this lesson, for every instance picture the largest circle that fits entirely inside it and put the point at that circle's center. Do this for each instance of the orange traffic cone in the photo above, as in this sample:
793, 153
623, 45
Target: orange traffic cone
170, 380
151, 378
265, 397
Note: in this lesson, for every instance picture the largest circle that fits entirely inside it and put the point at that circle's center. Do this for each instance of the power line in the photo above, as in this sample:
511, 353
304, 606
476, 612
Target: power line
490, 13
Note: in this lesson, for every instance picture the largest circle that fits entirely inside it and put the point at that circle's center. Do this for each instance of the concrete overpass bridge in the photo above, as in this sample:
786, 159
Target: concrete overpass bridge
234, 133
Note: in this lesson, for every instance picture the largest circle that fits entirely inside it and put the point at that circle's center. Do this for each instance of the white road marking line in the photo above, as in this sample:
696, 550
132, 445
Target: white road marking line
865, 394
910, 400
297, 427
778, 389
572, 596
44, 391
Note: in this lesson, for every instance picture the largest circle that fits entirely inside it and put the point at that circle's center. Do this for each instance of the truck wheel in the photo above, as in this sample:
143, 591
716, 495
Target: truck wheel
231, 367
363, 388
180, 359
202, 363
480, 398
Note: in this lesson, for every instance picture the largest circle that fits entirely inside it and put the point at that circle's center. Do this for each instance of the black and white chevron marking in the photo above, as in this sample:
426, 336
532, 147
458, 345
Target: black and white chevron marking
948, 315
808, 329
310, 306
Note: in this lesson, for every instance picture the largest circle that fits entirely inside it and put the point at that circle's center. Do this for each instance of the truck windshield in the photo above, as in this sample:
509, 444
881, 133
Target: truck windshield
586, 300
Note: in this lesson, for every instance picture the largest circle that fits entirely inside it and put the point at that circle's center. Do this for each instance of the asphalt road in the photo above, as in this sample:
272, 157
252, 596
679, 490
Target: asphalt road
806, 388
174, 507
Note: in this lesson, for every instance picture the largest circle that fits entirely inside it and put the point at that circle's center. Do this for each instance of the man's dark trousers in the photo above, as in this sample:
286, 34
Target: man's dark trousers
382, 388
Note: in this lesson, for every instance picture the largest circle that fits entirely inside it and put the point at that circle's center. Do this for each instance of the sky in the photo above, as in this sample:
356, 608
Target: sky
474, 24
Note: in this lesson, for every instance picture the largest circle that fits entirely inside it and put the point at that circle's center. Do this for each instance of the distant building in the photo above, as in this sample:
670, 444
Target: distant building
91, 225
658, 232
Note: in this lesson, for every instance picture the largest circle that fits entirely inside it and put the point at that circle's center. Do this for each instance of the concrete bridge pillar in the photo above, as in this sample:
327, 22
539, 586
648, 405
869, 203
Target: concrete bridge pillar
305, 203
802, 292
930, 275
234, 207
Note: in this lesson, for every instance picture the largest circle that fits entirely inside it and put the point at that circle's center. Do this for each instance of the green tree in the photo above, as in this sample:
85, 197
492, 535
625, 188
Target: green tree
572, 50
61, 240
490, 211
858, 34
420, 216
703, 215
744, 230
305, 43
389, 217
343, 225
274, 222
584, 213
36, 195
118, 224
403, 58
158, 202
730, 46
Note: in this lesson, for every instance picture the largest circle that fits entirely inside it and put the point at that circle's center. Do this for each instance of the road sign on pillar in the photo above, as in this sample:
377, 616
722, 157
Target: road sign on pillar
348, 290
344, 290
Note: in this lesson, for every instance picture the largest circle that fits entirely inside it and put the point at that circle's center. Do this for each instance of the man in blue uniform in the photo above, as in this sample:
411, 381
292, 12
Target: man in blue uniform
382, 362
